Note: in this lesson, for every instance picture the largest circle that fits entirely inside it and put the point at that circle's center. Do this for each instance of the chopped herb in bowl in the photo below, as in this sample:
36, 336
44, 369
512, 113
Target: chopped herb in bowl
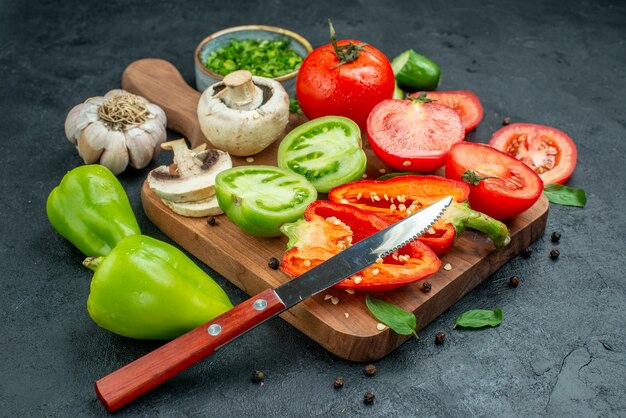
265, 58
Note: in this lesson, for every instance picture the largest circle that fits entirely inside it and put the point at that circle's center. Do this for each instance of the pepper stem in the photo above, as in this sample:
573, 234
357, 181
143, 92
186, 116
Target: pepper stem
92, 263
460, 215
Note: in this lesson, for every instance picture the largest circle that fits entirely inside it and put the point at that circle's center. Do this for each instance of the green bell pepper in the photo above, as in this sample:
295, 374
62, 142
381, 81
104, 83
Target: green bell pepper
90, 208
147, 289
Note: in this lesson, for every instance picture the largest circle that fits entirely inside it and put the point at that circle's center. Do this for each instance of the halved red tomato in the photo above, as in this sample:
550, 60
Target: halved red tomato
551, 153
508, 187
465, 102
413, 135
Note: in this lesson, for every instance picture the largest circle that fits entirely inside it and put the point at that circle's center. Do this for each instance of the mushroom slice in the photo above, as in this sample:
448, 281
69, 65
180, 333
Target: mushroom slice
191, 177
199, 209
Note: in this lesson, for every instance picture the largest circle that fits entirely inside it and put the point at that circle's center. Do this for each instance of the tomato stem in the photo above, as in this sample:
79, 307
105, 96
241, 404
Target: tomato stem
345, 53
421, 98
472, 178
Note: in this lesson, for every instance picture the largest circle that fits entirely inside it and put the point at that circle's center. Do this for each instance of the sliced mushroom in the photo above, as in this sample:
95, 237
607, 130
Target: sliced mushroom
243, 115
199, 209
192, 175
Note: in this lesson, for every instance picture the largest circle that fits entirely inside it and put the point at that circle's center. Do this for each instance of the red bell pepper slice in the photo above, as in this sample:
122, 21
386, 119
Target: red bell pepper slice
398, 197
328, 228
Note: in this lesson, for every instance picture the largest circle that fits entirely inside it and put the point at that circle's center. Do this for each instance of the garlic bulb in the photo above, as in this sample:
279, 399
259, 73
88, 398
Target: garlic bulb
117, 129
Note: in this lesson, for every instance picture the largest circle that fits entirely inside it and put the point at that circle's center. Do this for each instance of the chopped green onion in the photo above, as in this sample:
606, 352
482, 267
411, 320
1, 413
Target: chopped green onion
267, 58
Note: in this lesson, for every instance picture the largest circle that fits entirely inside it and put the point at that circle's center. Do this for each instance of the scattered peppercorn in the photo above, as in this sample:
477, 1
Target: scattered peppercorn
211, 221
556, 236
440, 337
527, 252
369, 397
258, 376
506, 121
273, 263
370, 370
514, 281
555, 253
426, 287
338, 382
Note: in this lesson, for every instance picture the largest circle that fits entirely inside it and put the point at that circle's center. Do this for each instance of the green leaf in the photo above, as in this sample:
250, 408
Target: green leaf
563, 195
478, 318
396, 318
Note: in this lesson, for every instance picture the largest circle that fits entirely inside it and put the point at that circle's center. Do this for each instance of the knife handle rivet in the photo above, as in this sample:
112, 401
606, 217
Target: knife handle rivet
214, 329
259, 304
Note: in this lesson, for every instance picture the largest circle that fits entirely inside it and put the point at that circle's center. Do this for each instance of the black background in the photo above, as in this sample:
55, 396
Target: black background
561, 347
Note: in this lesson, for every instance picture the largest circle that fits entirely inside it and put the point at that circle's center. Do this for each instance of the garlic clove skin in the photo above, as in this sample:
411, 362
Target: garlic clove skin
114, 92
158, 113
72, 131
140, 147
115, 155
88, 154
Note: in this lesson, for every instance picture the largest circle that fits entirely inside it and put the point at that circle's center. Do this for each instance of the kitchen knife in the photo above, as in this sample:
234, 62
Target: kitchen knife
131, 381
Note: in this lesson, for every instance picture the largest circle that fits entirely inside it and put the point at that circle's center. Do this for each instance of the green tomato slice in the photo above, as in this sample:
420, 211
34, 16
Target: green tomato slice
259, 199
326, 151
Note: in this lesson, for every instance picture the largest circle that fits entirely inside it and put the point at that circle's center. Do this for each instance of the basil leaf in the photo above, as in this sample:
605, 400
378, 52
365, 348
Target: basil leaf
396, 318
478, 318
563, 195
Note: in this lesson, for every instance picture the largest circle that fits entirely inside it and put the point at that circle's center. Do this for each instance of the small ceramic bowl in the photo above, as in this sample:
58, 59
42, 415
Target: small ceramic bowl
206, 77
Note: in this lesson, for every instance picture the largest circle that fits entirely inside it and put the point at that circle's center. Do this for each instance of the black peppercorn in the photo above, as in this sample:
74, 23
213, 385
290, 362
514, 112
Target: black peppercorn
506, 121
338, 383
514, 281
258, 376
527, 252
273, 263
440, 337
211, 221
369, 397
370, 370
555, 253
556, 236
426, 287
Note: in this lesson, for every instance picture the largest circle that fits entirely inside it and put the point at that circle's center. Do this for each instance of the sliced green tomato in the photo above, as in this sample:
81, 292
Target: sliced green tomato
327, 151
259, 199
415, 71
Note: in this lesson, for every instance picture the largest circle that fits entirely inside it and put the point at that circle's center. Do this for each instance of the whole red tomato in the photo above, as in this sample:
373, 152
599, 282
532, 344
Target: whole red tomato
344, 78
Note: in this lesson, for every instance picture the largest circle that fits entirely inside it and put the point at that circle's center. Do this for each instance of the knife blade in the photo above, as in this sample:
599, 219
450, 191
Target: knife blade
133, 380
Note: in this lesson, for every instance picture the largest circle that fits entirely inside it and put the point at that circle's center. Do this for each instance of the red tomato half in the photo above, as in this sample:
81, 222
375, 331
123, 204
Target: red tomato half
413, 136
465, 102
351, 89
513, 188
549, 152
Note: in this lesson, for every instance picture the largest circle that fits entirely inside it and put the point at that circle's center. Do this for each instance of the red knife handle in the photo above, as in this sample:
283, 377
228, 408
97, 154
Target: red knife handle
133, 380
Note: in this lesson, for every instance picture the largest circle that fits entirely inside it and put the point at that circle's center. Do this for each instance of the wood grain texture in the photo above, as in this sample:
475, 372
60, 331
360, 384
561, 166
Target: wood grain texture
242, 259
133, 380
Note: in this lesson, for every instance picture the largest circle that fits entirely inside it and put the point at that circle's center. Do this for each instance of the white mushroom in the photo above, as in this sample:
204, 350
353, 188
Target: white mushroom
192, 175
199, 209
243, 115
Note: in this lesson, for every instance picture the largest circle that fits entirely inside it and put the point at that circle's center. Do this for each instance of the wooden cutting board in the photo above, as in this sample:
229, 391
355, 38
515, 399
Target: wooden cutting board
347, 329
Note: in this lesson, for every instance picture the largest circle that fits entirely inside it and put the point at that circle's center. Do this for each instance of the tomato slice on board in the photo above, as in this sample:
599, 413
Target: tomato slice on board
512, 188
551, 153
328, 228
410, 135
465, 102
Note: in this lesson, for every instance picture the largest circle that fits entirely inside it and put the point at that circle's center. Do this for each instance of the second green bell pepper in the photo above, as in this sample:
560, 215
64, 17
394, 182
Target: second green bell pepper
90, 208
148, 289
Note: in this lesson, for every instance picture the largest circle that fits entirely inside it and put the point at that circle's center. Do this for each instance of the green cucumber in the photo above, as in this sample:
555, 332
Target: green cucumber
415, 71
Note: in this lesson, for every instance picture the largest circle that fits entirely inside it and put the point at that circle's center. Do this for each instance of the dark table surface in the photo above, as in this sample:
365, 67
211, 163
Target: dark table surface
560, 350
